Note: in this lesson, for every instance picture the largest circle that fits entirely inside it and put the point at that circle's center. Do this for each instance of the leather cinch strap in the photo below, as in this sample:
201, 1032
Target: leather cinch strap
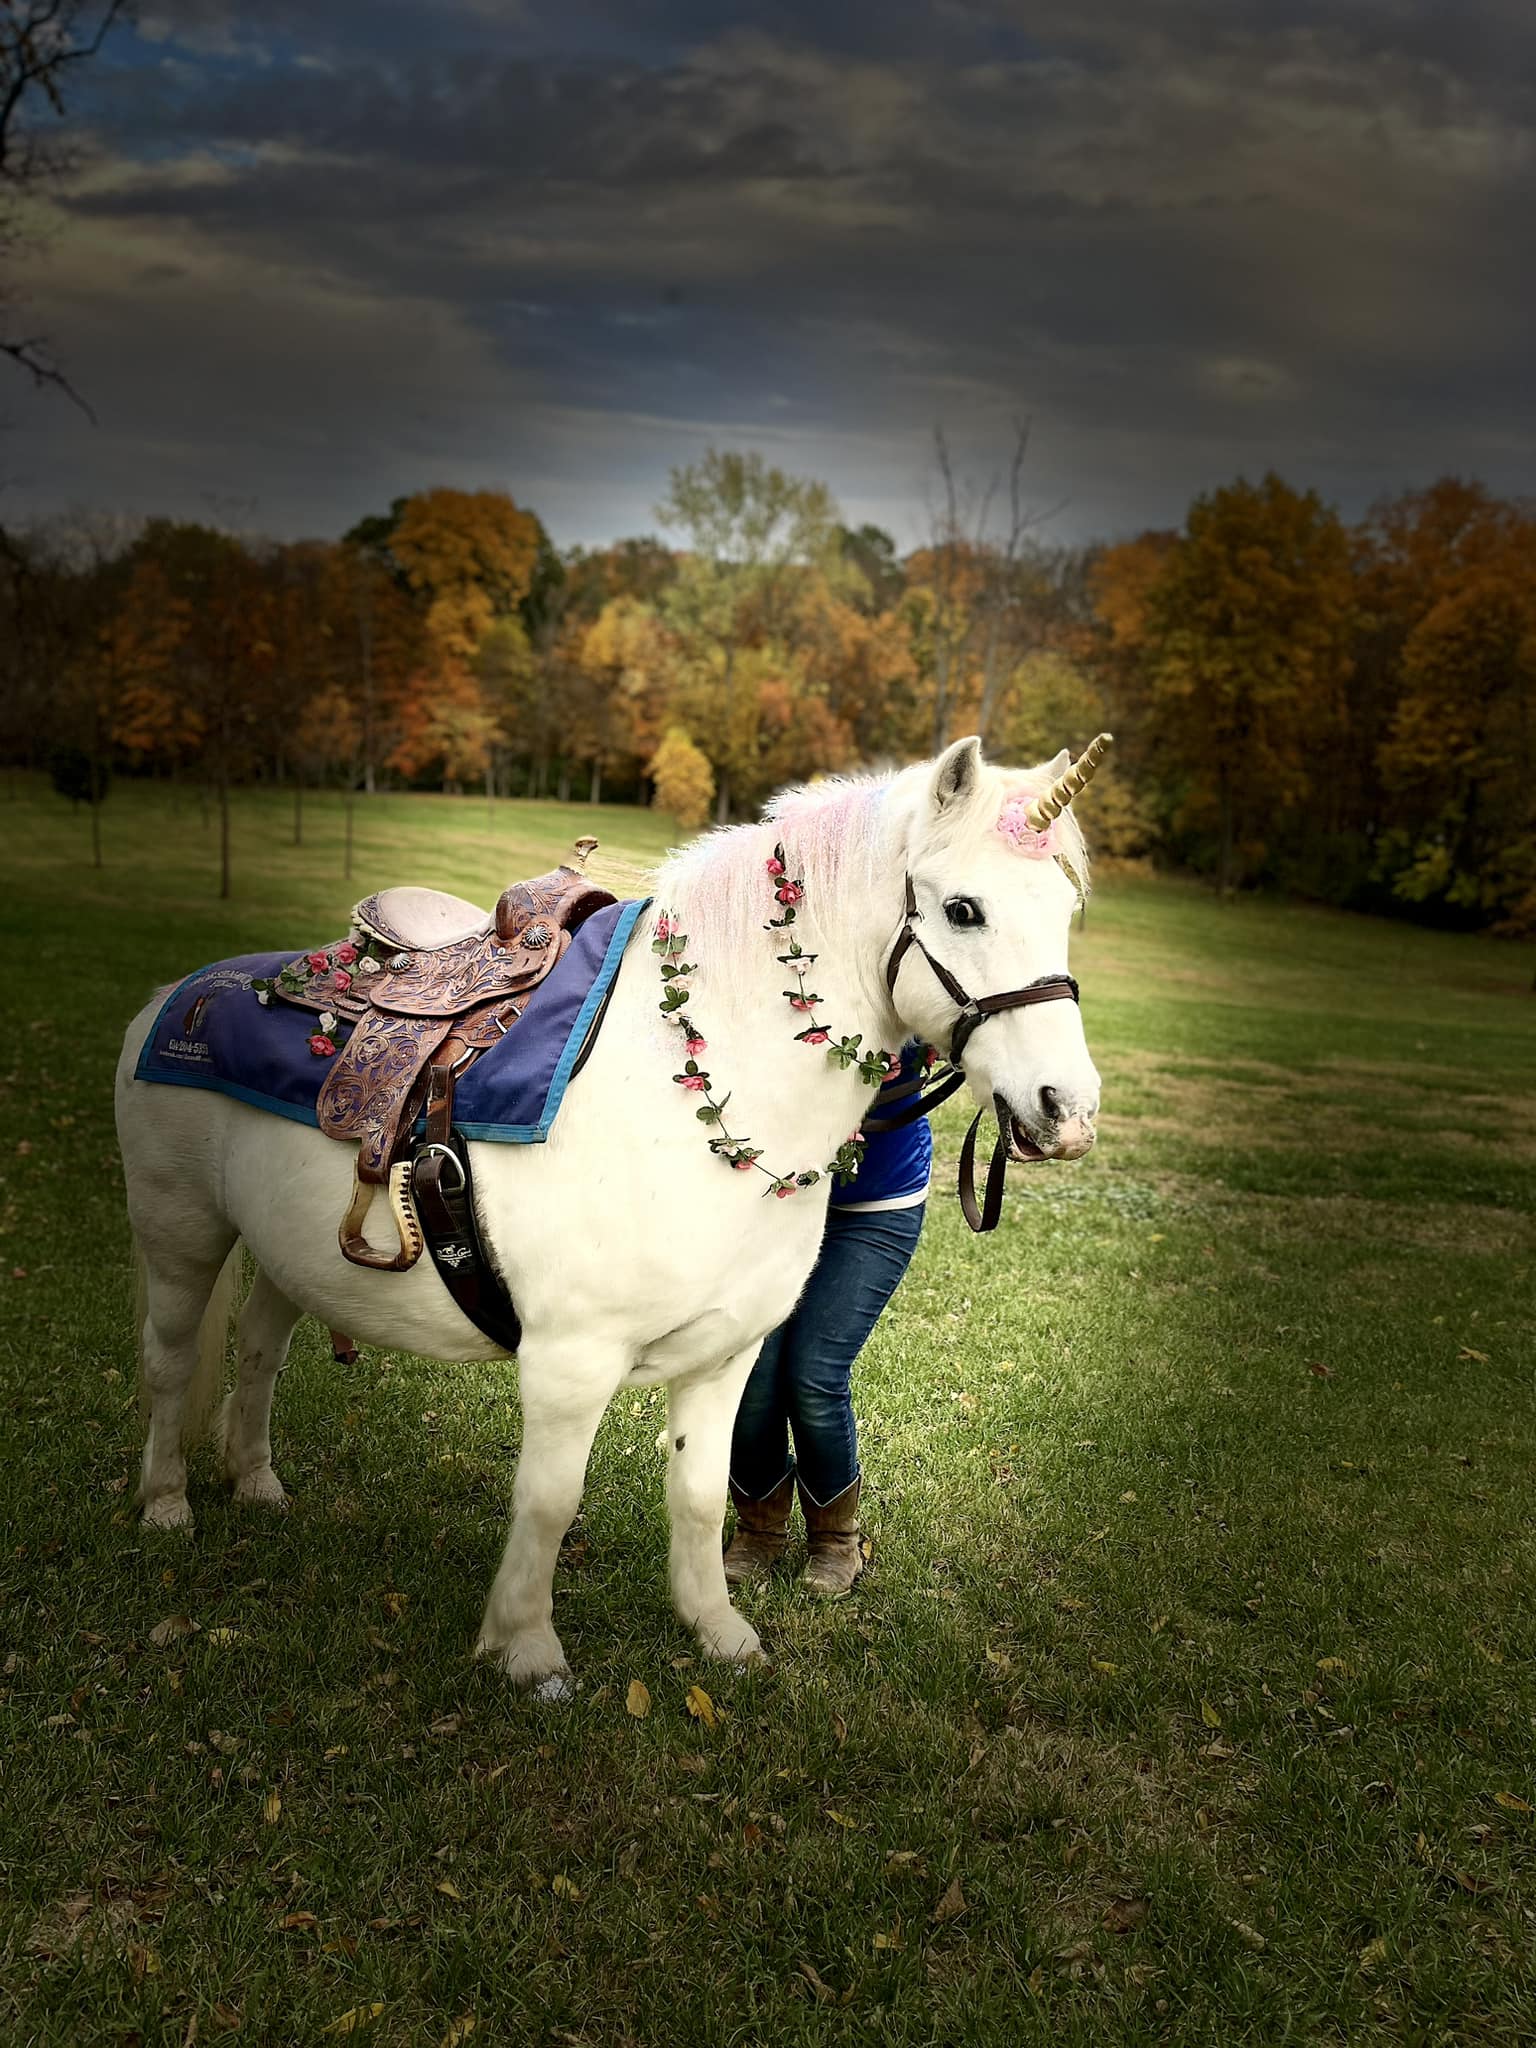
974, 1010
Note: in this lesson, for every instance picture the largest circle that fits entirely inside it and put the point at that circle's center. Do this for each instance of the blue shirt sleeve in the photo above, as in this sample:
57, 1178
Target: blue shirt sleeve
895, 1163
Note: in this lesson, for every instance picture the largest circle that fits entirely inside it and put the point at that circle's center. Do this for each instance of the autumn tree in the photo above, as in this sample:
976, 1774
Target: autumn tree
684, 780
750, 530
1252, 632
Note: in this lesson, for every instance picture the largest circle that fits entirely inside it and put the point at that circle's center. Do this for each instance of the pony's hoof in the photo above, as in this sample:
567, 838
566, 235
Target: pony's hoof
536, 1666
733, 1642
169, 1511
261, 1489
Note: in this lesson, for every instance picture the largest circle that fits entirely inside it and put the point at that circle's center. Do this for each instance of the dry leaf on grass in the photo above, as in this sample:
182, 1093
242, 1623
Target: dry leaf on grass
637, 1701
167, 1631
702, 1707
1209, 1715
1250, 1937
1124, 1916
841, 1818
355, 2017
952, 1904
459, 2030
1511, 1802
271, 1808
562, 1888
221, 1638
449, 1889
823, 1990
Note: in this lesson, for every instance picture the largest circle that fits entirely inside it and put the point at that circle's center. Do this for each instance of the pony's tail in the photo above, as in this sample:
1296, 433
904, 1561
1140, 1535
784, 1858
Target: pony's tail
207, 1381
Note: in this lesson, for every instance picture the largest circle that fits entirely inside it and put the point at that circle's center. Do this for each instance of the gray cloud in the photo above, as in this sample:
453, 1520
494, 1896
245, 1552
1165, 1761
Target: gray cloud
560, 250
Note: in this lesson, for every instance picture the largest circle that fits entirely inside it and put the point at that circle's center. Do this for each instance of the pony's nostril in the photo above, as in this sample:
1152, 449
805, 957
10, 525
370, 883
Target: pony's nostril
1050, 1105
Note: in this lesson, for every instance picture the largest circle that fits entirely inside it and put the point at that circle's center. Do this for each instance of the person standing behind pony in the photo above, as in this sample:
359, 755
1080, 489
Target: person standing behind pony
801, 1385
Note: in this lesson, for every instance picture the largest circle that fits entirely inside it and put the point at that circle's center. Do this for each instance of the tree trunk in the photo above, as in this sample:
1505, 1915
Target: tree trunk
595, 793
563, 793
346, 854
723, 799
490, 794
298, 807
1224, 882
96, 782
223, 832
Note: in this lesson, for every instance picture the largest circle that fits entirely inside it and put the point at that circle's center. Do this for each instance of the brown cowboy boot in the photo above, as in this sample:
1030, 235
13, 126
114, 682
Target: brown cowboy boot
836, 1558
762, 1531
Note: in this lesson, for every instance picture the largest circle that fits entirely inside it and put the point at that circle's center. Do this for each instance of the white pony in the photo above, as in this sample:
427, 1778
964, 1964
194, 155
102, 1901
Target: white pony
634, 1254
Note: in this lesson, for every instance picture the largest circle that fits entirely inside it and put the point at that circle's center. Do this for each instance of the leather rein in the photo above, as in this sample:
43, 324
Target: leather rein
981, 1215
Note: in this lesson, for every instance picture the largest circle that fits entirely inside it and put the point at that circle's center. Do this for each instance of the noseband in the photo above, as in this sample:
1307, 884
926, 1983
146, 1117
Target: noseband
974, 1011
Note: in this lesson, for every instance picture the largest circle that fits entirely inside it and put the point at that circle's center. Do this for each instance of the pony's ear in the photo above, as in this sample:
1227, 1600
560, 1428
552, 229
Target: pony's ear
1059, 766
956, 773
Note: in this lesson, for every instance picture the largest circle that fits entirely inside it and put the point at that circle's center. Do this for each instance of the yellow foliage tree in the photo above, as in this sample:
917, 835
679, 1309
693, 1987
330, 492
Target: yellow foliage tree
685, 782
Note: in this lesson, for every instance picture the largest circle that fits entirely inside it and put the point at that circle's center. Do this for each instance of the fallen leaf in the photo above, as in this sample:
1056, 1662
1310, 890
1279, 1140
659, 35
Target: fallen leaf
702, 1707
1103, 1664
1122, 1916
1250, 1937
1209, 1715
823, 1990
167, 1631
885, 1941
841, 1818
952, 1904
562, 1888
1373, 1953
899, 1859
221, 1638
1475, 1885
357, 2016
226, 1745
394, 1605
459, 2030
449, 1889
637, 1701
291, 1922
1511, 1802
840, 1729
1466, 1351
227, 2016
1318, 1370
446, 1724
1035, 1982
336, 1750
271, 1808
1334, 1664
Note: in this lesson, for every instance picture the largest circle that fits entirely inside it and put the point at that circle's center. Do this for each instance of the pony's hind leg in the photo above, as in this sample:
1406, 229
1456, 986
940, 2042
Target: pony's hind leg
266, 1329
565, 1385
700, 1416
186, 1324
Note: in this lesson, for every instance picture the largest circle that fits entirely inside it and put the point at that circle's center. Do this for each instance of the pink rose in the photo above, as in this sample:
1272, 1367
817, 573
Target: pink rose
789, 892
801, 1003
342, 980
775, 866
817, 1037
695, 1047
742, 1165
892, 1068
319, 962
321, 1046
345, 953
782, 1192
664, 927
696, 1082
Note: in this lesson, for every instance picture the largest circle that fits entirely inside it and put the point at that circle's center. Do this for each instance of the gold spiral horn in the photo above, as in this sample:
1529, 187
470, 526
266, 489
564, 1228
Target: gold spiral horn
1040, 810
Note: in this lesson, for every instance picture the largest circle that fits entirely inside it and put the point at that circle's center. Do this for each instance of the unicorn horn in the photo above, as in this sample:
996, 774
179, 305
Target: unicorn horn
1040, 810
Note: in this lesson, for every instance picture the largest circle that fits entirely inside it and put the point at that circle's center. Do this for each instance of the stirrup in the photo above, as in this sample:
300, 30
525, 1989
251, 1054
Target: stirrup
402, 1208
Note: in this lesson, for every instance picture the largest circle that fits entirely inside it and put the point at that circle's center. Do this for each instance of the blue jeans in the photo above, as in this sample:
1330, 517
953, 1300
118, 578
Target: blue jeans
800, 1383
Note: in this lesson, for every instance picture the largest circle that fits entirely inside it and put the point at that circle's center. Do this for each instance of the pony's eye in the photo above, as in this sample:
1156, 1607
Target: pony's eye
964, 913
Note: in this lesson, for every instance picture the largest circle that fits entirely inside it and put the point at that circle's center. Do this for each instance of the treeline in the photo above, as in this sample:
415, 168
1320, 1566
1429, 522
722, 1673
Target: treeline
1346, 711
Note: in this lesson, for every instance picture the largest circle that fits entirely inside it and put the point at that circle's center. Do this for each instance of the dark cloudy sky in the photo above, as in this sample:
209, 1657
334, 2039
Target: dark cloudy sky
321, 252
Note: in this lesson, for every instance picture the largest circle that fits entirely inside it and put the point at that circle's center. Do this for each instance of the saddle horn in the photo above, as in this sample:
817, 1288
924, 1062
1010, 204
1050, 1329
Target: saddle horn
1040, 810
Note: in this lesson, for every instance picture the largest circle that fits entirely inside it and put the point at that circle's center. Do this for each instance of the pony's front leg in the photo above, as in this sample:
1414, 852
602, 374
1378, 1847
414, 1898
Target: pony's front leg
700, 1416
565, 1386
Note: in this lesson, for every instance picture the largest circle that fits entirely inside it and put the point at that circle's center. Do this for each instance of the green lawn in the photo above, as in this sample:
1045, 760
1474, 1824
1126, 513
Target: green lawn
1189, 1697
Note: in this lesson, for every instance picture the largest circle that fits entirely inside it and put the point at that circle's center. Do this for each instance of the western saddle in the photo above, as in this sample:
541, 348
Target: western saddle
426, 981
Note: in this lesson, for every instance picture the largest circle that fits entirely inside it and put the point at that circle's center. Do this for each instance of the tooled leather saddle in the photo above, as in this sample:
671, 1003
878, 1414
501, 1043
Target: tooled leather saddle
425, 983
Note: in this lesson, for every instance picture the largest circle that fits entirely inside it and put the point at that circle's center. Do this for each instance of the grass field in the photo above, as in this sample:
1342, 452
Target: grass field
1189, 1698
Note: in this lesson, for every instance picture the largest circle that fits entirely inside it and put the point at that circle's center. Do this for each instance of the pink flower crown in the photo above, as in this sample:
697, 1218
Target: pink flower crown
1013, 823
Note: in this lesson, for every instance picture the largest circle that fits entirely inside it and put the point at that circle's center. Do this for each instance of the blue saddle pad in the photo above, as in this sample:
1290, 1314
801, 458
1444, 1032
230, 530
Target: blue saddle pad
212, 1032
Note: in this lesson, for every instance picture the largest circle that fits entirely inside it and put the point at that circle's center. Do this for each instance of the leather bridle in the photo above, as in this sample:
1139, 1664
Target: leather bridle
973, 1012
